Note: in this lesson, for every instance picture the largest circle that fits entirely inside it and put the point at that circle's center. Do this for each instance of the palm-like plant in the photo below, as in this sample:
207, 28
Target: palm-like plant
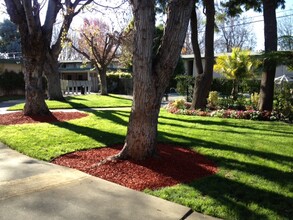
237, 66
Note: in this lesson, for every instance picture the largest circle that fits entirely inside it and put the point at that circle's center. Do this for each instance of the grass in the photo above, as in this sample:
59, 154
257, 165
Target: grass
255, 159
84, 101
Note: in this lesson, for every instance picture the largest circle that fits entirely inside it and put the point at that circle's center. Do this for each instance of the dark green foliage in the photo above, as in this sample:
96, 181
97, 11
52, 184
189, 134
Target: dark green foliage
249, 86
279, 57
119, 82
185, 85
283, 101
236, 7
222, 85
9, 37
10, 81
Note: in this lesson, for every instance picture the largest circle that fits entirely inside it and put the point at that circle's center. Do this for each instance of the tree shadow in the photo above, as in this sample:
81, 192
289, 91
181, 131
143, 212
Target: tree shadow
239, 197
236, 124
107, 138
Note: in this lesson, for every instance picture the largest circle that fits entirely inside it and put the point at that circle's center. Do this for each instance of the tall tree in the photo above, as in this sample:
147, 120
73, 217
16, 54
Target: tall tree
35, 42
9, 37
98, 45
151, 73
54, 46
271, 40
26, 15
205, 74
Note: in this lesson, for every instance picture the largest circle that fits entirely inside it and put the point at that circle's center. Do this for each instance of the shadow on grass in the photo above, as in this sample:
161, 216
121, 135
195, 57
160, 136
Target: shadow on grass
237, 195
240, 198
237, 124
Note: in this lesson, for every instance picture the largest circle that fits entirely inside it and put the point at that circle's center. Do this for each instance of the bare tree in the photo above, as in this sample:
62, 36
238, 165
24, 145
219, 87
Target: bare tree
285, 33
234, 32
188, 45
98, 45
38, 54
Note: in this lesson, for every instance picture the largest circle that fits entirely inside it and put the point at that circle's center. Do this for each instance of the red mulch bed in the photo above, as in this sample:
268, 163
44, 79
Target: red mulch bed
20, 118
174, 165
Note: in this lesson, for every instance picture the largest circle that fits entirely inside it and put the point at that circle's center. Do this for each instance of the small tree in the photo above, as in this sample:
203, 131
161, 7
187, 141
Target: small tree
236, 66
98, 45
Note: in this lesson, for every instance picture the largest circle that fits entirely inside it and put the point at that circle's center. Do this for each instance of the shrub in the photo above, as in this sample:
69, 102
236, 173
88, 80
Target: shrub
283, 102
11, 81
254, 98
213, 99
119, 82
185, 85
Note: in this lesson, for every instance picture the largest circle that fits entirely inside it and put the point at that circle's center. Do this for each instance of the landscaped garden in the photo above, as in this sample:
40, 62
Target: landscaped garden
254, 159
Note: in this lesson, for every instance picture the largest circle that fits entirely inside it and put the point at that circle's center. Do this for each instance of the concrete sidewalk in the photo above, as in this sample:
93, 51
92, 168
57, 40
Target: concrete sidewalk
36, 190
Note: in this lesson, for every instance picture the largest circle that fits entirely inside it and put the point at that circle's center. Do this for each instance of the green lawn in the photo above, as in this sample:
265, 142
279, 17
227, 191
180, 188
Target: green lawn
85, 101
255, 159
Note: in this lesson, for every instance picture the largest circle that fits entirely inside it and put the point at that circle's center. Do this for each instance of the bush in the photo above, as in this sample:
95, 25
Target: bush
11, 81
119, 82
213, 99
254, 98
283, 102
185, 85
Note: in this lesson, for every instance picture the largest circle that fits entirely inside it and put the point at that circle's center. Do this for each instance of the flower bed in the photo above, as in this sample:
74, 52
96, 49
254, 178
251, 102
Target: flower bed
183, 108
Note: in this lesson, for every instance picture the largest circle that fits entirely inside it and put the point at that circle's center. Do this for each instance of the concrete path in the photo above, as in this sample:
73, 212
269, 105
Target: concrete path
35, 190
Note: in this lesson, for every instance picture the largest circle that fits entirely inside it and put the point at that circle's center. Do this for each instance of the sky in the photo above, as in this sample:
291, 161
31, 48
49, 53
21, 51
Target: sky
116, 22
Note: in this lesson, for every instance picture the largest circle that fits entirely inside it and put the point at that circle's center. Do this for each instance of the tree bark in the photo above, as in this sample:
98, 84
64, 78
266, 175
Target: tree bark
234, 91
204, 79
271, 42
53, 79
103, 79
151, 74
33, 63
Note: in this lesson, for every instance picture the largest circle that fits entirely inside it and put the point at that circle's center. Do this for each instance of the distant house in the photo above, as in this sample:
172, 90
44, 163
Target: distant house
189, 65
75, 74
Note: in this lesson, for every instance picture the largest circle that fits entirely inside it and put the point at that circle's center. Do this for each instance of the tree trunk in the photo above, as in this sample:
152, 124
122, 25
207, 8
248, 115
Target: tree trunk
33, 47
151, 74
103, 79
34, 92
234, 92
141, 139
271, 41
204, 79
53, 79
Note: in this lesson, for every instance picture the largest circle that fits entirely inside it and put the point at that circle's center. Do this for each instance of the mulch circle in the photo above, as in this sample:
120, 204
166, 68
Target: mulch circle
173, 166
20, 118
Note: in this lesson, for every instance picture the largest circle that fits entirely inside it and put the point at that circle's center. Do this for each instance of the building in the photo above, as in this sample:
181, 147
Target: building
189, 65
74, 75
